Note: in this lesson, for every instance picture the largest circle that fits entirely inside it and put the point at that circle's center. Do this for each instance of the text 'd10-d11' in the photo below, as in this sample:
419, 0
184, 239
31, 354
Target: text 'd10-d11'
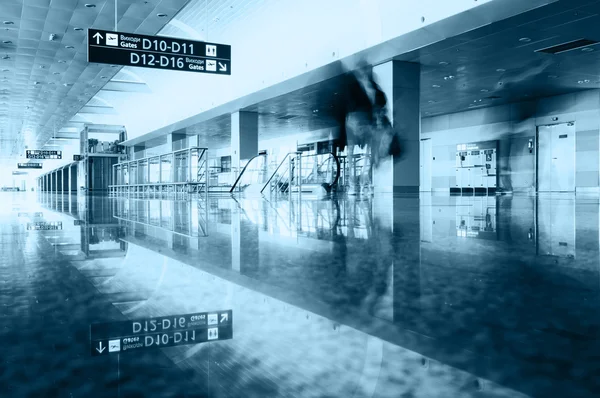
158, 52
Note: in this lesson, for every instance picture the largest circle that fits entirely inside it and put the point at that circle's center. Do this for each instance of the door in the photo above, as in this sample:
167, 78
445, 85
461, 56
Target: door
425, 172
556, 158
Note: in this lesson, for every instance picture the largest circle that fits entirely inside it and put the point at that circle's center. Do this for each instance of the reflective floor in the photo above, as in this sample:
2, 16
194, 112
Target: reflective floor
434, 296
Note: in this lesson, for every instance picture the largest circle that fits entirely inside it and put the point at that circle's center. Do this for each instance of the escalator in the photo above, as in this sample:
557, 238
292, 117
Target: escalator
310, 174
315, 173
253, 175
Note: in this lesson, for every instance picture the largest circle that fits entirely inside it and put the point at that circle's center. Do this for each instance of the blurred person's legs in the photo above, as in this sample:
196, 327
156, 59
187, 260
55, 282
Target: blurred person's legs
358, 134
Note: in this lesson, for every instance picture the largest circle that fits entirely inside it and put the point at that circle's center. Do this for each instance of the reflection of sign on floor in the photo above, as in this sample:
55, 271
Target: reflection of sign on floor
161, 332
44, 226
213, 319
114, 345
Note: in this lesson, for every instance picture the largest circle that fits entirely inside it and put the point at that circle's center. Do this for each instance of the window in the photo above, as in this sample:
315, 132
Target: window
225, 164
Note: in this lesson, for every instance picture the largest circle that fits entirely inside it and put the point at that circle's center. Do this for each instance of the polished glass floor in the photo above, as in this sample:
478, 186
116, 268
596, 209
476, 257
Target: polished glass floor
435, 296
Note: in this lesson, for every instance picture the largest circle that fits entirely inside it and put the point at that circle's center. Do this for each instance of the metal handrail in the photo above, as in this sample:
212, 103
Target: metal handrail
337, 164
243, 170
277, 169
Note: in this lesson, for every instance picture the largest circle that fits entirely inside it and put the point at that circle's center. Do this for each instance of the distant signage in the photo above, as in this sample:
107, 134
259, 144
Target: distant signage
77, 158
44, 226
29, 165
158, 52
167, 331
36, 214
40, 154
19, 173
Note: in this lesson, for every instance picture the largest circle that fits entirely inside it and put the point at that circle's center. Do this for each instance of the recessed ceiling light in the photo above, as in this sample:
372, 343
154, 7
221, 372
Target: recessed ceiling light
552, 77
60, 61
7, 42
89, 5
524, 39
444, 63
56, 73
66, 84
500, 70
161, 15
484, 90
587, 49
78, 29
69, 47
432, 102
9, 23
449, 77
436, 86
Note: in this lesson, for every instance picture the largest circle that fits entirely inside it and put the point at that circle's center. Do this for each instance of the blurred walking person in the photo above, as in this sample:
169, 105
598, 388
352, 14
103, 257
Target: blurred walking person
362, 115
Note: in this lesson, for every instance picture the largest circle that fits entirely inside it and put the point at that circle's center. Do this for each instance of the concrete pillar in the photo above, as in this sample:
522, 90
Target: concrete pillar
244, 138
400, 81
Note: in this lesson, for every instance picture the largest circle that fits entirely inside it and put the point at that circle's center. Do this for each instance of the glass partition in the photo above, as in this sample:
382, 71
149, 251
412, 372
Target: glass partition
143, 171
194, 165
133, 173
165, 171
182, 166
117, 170
154, 170
125, 169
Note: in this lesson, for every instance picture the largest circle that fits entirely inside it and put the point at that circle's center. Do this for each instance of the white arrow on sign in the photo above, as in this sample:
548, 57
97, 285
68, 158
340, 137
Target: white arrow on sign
222, 67
101, 349
224, 317
98, 37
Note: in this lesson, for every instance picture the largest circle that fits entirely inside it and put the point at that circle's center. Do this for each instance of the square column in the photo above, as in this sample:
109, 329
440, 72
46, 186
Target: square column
401, 81
244, 138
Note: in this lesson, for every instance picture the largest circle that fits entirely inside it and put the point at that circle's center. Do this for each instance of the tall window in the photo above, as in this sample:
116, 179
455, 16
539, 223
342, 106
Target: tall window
225, 164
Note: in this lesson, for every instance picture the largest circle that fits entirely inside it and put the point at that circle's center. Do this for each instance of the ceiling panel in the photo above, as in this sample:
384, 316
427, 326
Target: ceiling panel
65, 81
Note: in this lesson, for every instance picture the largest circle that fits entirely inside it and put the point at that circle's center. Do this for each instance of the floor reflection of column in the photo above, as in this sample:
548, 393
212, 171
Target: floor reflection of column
407, 261
235, 239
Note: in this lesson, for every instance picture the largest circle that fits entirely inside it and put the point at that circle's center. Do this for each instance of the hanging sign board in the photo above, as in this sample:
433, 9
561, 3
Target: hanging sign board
160, 332
29, 165
129, 49
77, 158
39, 154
